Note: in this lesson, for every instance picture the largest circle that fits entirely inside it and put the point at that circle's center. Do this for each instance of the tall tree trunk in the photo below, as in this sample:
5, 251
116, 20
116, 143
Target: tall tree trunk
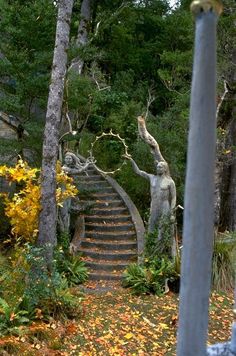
48, 215
222, 120
228, 178
82, 36
232, 184
76, 68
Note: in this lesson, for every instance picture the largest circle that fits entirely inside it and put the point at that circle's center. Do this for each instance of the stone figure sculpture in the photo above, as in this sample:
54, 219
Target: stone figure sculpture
162, 186
73, 166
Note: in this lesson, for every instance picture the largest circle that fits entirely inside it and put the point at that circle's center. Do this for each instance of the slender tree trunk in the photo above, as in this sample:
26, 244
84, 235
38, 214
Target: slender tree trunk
48, 215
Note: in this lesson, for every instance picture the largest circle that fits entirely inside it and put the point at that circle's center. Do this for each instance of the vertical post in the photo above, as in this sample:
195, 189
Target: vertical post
199, 188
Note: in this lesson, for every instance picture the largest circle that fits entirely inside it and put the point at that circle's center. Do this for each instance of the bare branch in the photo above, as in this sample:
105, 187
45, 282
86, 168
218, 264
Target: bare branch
99, 86
226, 90
149, 139
168, 87
150, 100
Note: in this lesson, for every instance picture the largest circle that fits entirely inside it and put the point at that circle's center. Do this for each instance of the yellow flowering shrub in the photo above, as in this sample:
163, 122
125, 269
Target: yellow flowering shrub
24, 207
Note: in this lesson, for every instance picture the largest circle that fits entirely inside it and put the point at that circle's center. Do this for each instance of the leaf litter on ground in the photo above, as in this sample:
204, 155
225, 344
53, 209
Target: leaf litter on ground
118, 323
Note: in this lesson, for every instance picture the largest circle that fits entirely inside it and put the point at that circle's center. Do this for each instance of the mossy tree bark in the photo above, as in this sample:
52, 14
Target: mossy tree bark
48, 215
82, 36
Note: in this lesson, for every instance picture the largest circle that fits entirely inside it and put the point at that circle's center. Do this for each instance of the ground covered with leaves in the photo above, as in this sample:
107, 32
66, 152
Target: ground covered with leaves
117, 323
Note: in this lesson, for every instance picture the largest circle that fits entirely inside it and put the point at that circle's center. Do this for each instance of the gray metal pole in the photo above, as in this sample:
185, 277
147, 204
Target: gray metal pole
199, 188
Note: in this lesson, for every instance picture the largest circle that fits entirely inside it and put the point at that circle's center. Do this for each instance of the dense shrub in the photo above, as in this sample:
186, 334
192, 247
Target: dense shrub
30, 292
150, 277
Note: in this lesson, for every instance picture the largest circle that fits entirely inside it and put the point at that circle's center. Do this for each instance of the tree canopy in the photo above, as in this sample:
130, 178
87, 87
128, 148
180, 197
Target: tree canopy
135, 49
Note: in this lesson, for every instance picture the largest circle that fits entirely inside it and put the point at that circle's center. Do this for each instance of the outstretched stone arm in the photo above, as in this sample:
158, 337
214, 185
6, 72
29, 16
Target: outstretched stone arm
136, 168
87, 163
74, 170
149, 139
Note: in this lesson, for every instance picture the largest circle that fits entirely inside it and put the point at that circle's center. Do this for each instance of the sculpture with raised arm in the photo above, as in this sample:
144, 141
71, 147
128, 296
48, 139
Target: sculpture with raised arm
162, 186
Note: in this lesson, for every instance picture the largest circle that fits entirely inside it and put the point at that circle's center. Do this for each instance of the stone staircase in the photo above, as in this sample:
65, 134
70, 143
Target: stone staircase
113, 227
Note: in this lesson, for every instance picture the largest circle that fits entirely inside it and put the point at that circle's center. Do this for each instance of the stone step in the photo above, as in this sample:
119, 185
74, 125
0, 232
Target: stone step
107, 219
109, 211
88, 183
106, 236
92, 188
100, 204
115, 255
90, 177
108, 245
108, 196
107, 265
105, 276
89, 172
126, 226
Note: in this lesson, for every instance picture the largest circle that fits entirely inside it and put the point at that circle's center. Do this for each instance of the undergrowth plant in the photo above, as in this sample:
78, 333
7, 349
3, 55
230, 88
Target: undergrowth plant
150, 277
157, 269
11, 318
30, 292
70, 266
223, 262
156, 247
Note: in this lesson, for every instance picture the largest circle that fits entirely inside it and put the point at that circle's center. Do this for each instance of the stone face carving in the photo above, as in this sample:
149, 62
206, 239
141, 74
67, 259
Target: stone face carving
162, 186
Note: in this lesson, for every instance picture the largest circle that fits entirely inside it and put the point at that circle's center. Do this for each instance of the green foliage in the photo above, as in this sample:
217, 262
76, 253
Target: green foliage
226, 40
63, 242
71, 267
155, 247
4, 266
136, 277
223, 263
29, 148
158, 269
150, 277
11, 318
29, 291
137, 188
138, 45
27, 33
13, 278
80, 92
46, 290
